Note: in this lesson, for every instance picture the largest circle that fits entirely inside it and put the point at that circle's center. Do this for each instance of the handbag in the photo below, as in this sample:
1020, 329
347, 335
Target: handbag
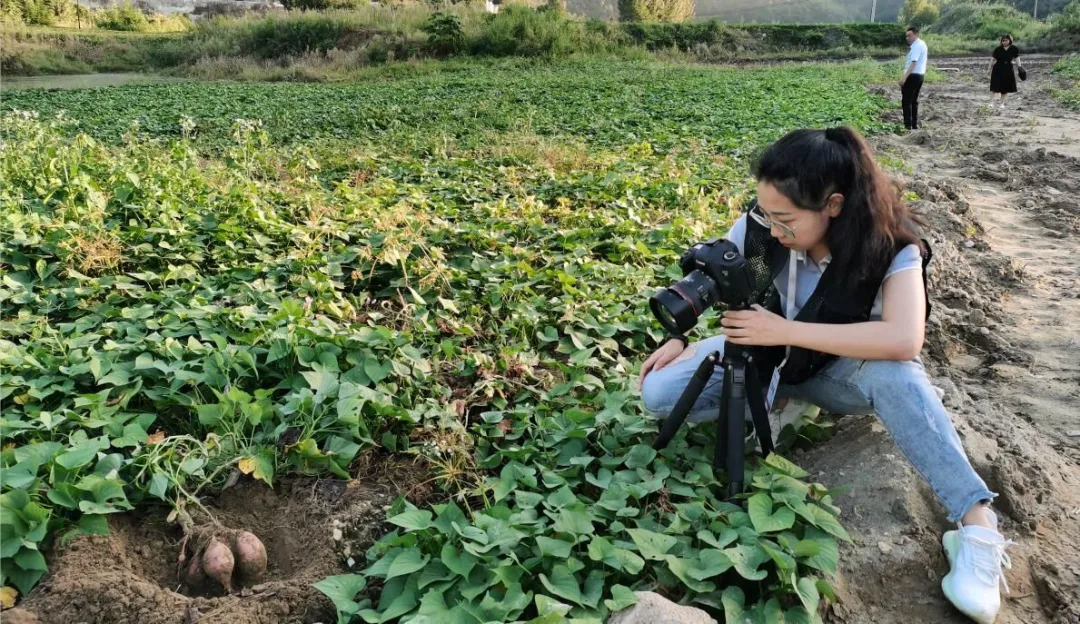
1022, 73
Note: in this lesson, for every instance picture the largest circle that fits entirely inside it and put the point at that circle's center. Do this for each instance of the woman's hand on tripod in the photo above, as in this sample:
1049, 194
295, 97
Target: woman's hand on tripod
661, 358
757, 327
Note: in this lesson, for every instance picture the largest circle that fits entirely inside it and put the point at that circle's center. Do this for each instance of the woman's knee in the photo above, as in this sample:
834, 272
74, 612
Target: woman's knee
661, 388
657, 394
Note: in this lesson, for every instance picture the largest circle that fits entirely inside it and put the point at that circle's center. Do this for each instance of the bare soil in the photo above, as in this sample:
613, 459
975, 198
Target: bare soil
1000, 191
310, 530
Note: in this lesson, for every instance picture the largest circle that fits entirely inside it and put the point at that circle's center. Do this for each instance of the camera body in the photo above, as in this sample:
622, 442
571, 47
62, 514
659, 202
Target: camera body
714, 273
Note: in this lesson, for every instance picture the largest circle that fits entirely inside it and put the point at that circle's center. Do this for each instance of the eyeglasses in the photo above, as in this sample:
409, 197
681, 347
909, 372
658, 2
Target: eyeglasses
764, 221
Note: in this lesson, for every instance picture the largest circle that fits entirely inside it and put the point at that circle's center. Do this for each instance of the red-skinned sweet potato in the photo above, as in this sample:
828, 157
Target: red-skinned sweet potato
218, 563
250, 556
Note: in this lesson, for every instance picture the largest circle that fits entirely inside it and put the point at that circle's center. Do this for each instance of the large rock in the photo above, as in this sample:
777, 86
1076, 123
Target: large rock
652, 608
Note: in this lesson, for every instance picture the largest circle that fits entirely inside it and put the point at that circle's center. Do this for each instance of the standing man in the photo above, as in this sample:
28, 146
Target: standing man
911, 83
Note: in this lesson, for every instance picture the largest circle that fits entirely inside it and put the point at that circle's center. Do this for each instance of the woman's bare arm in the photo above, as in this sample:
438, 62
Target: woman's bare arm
898, 335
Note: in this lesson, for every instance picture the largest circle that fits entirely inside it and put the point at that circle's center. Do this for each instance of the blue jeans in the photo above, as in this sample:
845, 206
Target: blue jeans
898, 392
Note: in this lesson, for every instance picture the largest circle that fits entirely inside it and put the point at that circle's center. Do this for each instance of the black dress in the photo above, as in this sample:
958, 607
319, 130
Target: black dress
1002, 78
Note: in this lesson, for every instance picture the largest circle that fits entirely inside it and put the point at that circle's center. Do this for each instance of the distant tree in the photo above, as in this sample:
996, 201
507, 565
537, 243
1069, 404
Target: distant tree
1046, 7
445, 34
1069, 19
37, 12
124, 17
919, 13
656, 10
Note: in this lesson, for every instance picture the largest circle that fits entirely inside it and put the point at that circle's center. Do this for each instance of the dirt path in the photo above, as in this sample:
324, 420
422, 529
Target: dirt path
1001, 192
1023, 180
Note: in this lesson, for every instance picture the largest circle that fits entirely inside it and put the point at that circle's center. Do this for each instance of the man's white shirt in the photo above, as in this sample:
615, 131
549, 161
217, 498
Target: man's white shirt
917, 55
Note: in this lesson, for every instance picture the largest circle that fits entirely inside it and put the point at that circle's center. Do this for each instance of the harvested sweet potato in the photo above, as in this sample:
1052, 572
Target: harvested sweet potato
250, 556
218, 563
193, 573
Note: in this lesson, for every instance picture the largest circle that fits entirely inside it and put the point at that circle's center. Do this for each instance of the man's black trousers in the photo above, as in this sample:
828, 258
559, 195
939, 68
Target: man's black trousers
910, 100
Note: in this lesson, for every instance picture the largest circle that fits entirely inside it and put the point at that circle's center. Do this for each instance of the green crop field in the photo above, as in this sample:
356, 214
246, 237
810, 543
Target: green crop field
448, 265
1069, 70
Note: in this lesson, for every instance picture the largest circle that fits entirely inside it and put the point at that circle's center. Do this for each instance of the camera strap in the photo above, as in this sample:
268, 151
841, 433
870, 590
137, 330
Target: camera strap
789, 313
793, 271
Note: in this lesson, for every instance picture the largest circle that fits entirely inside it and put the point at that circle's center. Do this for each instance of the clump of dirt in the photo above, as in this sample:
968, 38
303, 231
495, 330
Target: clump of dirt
131, 575
1057, 212
19, 616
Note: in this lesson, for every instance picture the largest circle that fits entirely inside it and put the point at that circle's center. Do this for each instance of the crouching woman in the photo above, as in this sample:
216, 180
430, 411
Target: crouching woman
848, 300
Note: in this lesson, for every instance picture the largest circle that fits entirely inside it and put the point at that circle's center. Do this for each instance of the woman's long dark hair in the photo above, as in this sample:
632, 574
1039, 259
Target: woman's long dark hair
808, 166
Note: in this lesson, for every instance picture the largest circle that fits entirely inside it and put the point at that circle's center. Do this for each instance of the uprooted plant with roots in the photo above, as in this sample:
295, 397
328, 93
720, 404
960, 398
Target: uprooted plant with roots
230, 558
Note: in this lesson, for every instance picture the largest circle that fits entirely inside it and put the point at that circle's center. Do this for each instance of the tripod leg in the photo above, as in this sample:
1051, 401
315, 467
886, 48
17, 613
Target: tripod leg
687, 400
757, 409
721, 421
731, 426
736, 428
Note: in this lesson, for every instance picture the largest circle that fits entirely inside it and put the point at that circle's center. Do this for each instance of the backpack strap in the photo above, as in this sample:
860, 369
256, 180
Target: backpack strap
928, 254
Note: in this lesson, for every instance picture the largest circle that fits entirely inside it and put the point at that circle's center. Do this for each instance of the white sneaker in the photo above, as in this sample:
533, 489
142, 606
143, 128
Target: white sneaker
976, 555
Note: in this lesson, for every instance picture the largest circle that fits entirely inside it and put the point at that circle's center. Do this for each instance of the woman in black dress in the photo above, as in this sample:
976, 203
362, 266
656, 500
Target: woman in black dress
1002, 78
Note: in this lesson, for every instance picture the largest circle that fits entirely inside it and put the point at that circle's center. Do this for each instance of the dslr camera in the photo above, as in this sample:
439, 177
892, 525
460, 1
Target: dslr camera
714, 273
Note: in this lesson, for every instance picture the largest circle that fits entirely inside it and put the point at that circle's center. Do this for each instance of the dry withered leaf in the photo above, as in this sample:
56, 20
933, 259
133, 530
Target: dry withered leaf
246, 465
7, 597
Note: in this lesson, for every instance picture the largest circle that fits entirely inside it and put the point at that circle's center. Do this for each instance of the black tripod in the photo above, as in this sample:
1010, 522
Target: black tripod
740, 378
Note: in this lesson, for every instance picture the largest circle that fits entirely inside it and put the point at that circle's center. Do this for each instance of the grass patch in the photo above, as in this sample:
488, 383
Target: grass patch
30, 51
986, 21
1069, 69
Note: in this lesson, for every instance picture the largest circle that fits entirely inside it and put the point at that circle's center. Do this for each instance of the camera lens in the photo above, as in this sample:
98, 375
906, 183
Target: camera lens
673, 312
678, 307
